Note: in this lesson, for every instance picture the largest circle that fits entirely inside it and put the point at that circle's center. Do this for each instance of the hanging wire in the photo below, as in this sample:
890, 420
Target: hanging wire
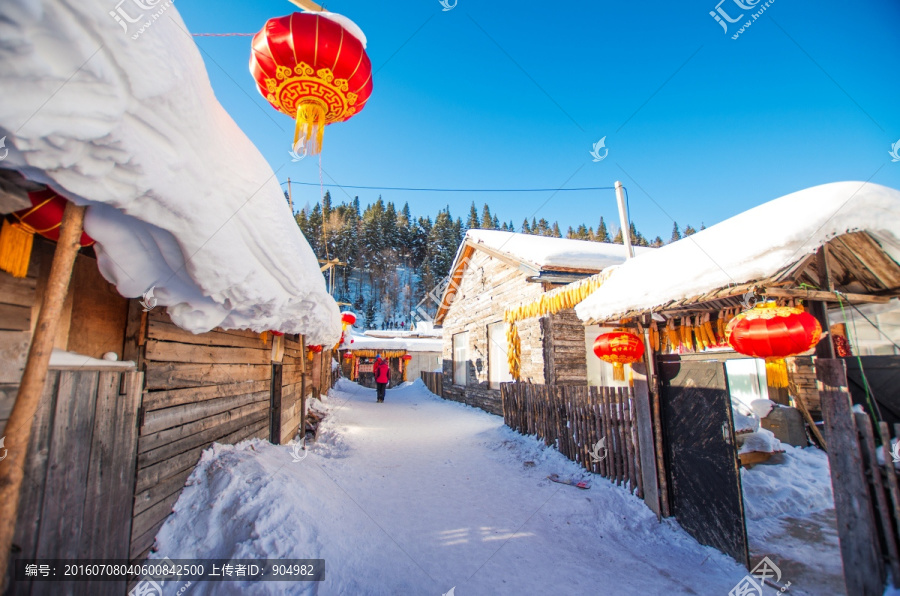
454, 189
870, 397
877, 328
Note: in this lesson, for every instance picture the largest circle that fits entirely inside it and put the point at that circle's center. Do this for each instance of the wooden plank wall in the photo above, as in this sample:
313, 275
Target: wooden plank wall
294, 388
574, 419
17, 295
565, 359
200, 389
434, 381
87, 419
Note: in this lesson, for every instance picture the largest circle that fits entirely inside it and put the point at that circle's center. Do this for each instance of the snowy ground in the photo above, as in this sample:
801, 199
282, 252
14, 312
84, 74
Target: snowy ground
419, 495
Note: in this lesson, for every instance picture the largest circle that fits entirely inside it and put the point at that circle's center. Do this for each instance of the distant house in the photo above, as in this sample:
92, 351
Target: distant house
422, 346
493, 271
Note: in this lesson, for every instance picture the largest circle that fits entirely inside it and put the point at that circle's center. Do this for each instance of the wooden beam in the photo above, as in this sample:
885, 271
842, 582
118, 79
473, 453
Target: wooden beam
19, 425
824, 296
860, 552
308, 5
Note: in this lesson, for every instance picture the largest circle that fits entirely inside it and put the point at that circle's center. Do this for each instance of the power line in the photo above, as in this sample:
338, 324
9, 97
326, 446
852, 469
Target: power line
581, 189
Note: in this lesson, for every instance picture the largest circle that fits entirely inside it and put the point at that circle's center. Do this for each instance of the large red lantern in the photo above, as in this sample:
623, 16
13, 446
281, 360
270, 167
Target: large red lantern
774, 333
619, 348
314, 68
43, 217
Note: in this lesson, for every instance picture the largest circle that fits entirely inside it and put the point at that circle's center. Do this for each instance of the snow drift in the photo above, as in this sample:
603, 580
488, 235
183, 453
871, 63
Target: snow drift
110, 105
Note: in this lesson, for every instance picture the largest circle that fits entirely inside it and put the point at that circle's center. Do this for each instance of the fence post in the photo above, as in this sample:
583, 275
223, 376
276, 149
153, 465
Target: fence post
643, 419
860, 552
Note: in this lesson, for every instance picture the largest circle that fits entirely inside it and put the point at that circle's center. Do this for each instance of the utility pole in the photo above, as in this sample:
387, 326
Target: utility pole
623, 220
290, 197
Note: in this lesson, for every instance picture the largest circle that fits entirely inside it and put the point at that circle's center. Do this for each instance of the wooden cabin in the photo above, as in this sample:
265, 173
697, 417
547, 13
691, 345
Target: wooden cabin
408, 353
114, 441
492, 272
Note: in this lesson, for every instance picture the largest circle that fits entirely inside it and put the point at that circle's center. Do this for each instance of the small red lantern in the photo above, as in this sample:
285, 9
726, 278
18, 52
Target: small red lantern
44, 218
347, 355
619, 348
773, 332
314, 68
407, 357
348, 318
276, 333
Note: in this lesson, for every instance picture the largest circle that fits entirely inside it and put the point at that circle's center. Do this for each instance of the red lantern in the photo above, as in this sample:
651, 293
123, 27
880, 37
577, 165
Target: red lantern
619, 348
276, 333
347, 355
774, 333
407, 357
348, 318
313, 69
44, 218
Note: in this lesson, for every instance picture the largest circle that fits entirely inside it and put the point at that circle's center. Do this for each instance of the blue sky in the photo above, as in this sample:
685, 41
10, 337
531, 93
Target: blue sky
699, 126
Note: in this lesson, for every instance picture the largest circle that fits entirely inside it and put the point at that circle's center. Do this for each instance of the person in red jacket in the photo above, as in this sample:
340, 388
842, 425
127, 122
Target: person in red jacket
382, 373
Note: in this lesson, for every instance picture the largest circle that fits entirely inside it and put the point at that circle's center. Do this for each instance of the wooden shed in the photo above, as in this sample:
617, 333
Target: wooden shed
492, 272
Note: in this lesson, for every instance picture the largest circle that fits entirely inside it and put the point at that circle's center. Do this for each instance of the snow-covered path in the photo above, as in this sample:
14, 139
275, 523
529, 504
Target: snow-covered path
419, 495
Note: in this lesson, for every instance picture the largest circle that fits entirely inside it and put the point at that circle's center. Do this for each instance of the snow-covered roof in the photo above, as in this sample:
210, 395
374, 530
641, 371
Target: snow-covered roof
410, 344
750, 246
546, 252
118, 113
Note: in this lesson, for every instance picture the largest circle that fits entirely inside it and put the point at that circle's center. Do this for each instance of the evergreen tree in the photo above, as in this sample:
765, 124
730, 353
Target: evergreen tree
495, 224
370, 314
554, 231
657, 242
487, 222
512, 227
676, 233
702, 226
689, 230
326, 205
526, 229
602, 234
472, 222
619, 239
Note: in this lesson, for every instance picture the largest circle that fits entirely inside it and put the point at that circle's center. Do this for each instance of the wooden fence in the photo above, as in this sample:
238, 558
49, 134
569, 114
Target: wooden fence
594, 426
434, 381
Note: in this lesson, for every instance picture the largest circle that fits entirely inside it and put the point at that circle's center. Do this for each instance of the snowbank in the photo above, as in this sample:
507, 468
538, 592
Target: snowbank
796, 486
749, 246
121, 116
410, 344
546, 252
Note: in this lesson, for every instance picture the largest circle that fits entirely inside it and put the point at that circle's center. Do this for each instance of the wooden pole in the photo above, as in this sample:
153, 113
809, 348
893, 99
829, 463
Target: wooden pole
623, 220
18, 427
308, 5
290, 197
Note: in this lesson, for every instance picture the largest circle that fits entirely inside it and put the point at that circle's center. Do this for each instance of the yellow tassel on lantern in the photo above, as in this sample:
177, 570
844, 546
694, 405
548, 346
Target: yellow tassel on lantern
310, 128
16, 240
618, 371
776, 372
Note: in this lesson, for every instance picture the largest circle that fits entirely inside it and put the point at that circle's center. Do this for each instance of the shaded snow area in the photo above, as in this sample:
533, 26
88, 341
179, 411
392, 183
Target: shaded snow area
750, 246
790, 518
418, 496
112, 107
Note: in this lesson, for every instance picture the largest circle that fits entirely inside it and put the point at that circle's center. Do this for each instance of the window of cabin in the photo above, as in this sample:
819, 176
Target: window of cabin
460, 358
498, 363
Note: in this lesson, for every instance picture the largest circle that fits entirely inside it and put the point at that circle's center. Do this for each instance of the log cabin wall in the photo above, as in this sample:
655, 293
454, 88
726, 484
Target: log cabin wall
486, 289
295, 389
200, 389
565, 359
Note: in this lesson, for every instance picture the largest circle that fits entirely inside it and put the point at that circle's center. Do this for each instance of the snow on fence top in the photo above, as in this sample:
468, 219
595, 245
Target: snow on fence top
547, 252
752, 245
110, 104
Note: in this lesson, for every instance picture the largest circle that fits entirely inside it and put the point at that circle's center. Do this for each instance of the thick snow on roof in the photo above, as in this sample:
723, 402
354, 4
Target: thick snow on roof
410, 344
546, 252
121, 116
752, 245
